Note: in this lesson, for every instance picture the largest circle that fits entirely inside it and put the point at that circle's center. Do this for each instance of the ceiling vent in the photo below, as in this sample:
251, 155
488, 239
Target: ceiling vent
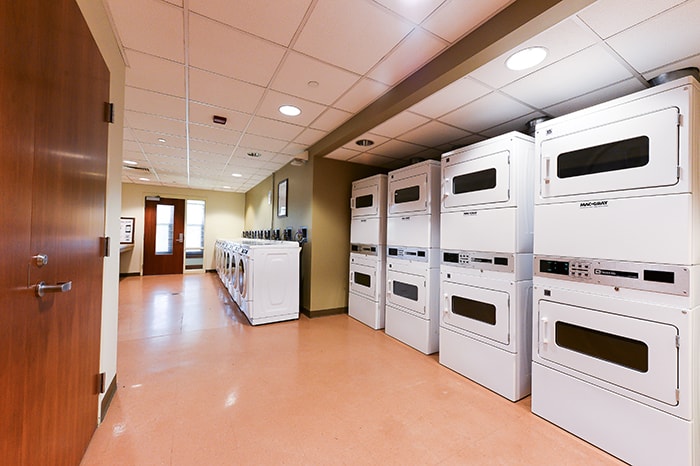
219, 120
138, 169
300, 159
254, 154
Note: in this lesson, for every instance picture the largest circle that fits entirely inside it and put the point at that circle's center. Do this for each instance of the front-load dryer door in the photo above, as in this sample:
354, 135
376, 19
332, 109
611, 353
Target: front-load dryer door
408, 194
476, 182
363, 279
634, 153
477, 310
365, 201
407, 291
635, 354
242, 278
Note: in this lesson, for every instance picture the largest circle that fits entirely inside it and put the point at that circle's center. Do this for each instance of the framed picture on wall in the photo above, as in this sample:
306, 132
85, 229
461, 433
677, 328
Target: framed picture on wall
282, 191
126, 232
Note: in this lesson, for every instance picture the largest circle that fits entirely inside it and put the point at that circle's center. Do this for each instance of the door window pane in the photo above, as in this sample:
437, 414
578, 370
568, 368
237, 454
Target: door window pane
364, 201
623, 351
477, 310
165, 219
476, 181
618, 155
409, 194
194, 235
363, 279
406, 290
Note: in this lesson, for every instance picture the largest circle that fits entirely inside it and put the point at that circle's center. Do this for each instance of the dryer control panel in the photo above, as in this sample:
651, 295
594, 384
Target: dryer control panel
497, 262
414, 254
658, 278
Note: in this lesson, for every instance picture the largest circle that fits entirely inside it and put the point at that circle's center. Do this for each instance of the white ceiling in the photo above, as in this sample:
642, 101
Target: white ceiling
189, 60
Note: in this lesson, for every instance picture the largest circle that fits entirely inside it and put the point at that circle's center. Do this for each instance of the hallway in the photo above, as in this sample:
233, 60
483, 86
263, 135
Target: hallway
197, 385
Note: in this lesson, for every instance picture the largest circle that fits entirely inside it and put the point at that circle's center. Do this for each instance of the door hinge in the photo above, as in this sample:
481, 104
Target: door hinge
102, 382
106, 243
109, 112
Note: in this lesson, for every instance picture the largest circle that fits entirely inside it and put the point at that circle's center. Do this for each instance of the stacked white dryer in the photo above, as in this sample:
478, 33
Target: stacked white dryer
368, 251
413, 262
616, 353
486, 267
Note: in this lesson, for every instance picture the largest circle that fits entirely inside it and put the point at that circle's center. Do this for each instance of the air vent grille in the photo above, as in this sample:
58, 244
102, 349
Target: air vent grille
138, 169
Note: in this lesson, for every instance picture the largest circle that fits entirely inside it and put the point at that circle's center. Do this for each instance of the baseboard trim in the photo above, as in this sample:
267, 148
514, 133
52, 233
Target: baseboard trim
324, 312
210, 270
107, 399
129, 274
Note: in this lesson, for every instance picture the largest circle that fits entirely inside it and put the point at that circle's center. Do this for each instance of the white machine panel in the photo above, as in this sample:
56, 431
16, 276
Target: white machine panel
414, 189
508, 230
366, 271
368, 230
416, 230
368, 198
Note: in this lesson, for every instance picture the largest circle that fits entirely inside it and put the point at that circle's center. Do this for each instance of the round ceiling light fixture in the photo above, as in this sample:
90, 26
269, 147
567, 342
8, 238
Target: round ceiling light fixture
130, 162
236, 175
364, 142
161, 140
144, 179
290, 110
526, 58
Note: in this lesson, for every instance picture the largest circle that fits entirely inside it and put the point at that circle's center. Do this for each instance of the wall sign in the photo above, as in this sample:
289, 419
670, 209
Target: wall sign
126, 232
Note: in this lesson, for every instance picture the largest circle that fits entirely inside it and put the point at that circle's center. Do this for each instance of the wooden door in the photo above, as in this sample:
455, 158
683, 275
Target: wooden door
164, 237
53, 158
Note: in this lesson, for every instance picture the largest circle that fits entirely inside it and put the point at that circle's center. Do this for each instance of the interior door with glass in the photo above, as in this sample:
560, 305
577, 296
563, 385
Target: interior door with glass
164, 237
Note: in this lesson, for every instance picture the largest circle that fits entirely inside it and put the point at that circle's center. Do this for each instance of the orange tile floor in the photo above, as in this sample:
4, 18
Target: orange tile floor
197, 385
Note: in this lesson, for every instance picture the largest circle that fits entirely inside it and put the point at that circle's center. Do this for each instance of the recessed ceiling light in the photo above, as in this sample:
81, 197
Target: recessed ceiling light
237, 175
144, 179
130, 162
312, 83
161, 140
364, 142
254, 154
226, 187
526, 58
290, 110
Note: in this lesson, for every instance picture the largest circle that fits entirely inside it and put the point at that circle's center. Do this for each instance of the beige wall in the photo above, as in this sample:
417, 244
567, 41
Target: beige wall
98, 22
224, 218
318, 199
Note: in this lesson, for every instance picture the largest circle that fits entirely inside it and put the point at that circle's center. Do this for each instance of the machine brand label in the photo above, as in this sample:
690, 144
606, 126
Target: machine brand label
471, 212
591, 204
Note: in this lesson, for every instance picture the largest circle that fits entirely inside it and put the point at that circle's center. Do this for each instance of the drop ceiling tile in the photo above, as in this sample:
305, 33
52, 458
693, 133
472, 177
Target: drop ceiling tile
149, 138
262, 126
568, 78
131, 146
208, 159
343, 154
154, 103
293, 149
334, 24
299, 70
265, 156
175, 2
243, 56
275, 21
412, 53
202, 114
486, 112
666, 38
427, 154
371, 159
596, 97
148, 122
363, 93
262, 143
162, 149
396, 149
561, 40
310, 136
467, 141
166, 162
212, 134
157, 29
518, 124
330, 119
206, 146
224, 92
693, 61
352, 145
155, 74
416, 12
450, 98
273, 100
456, 18
433, 134
608, 17
137, 157
401, 123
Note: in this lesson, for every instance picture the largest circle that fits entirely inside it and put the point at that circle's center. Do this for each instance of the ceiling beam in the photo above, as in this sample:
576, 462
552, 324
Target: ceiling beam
520, 21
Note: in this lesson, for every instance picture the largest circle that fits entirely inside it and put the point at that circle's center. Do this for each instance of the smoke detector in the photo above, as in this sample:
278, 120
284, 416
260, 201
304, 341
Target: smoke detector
300, 159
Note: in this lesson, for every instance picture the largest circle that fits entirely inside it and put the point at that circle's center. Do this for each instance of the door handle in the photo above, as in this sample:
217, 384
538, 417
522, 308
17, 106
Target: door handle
547, 162
41, 288
180, 238
544, 340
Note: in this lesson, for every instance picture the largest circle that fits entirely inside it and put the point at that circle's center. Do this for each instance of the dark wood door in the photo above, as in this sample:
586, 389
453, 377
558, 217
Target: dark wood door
164, 236
53, 157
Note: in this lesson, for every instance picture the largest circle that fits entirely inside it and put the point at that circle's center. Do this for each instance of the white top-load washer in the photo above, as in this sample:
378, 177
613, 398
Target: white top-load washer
268, 280
621, 180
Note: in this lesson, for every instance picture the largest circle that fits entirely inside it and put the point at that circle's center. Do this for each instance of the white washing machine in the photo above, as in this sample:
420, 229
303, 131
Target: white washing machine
413, 210
268, 280
615, 364
487, 189
621, 180
368, 211
412, 297
366, 298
